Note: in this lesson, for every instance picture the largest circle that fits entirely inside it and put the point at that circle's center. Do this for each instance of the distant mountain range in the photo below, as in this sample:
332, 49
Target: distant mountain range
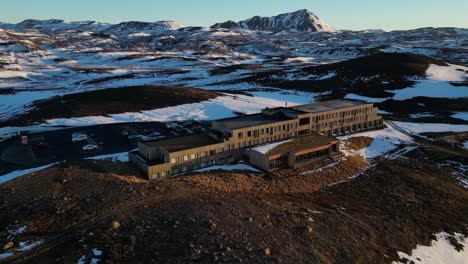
299, 21
302, 20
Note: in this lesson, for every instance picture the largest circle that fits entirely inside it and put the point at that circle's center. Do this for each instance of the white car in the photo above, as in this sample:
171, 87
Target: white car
90, 147
78, 137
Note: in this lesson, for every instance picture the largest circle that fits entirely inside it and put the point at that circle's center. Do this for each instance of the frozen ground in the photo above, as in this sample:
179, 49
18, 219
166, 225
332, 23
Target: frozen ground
440, 251
385, 140
418, 128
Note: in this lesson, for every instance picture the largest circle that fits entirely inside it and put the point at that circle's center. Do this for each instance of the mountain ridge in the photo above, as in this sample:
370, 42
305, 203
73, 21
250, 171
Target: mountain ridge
302, 20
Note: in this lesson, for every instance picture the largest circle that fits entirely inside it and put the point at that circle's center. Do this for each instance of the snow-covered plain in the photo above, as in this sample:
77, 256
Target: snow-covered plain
440, 251
418, 128
220, 107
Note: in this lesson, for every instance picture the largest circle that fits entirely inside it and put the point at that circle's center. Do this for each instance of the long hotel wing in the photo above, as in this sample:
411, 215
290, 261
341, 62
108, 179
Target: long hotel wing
275, 138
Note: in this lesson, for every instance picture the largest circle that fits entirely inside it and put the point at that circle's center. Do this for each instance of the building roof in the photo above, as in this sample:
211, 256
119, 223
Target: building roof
328, 105
251, 120
176, 144
296, 144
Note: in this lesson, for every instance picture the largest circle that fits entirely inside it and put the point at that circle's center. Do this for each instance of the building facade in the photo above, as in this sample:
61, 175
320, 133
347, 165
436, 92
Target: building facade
234, 139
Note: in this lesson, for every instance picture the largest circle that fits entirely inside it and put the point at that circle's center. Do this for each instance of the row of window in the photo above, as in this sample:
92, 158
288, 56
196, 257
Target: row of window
345, 121
185, 158
160, 174
193, 156
265, 140
343, 114
268, 131
184, 169
343, 130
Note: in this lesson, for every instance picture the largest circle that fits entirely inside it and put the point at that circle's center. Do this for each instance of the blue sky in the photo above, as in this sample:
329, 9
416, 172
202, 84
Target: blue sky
342, 14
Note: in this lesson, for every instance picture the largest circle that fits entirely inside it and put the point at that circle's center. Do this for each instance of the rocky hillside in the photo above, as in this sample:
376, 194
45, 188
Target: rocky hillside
96, 211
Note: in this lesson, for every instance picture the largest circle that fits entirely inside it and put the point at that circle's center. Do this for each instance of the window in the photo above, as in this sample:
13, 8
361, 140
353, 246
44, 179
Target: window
213, 152
249, 133
193, 156
240, 135
173, 160
267, 130
175, 171
256, 133
203, 154
221, 150
185, 157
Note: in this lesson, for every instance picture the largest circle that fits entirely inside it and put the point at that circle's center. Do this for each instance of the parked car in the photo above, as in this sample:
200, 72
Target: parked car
79, 137
90, 147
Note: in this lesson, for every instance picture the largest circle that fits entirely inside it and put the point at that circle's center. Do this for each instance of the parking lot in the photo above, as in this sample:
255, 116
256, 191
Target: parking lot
57, 145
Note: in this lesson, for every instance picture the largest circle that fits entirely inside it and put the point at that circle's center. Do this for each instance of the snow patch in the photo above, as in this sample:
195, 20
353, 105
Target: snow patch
264, 149
365, 98
461, 115
440, 251
431, 88
18, 173
229, 167
385, 140
446, 73
123, 157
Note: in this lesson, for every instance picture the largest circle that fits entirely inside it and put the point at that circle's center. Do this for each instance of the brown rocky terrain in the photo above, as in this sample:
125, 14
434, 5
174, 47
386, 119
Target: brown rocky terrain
314, 214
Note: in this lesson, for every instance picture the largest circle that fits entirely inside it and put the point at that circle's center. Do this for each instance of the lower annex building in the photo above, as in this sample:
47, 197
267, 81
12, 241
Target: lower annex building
276, 137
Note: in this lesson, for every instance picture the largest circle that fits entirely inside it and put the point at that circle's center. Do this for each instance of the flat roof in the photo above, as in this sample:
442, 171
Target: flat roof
299, 143
328, 105
251, 120
176, 144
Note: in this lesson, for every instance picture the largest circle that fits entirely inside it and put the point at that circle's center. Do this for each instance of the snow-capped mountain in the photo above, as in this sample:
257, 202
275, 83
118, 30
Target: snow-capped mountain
134, 27
56, 25
302, 20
